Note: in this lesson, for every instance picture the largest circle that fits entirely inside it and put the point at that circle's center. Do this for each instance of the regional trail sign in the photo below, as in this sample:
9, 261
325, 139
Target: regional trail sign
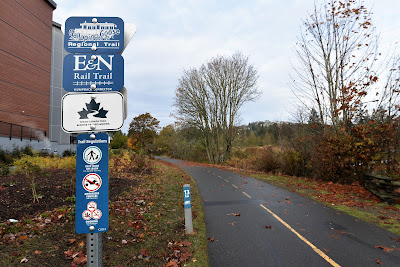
87, 112
94, 34
88, 72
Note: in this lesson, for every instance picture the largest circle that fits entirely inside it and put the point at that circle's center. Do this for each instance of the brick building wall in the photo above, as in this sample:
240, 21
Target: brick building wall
25, 62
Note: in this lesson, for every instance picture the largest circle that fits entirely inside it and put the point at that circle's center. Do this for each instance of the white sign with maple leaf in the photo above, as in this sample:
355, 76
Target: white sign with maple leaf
92, 112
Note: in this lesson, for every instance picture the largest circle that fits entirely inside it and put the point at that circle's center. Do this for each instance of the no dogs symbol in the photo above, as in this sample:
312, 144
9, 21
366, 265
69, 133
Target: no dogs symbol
91, 182
92, 155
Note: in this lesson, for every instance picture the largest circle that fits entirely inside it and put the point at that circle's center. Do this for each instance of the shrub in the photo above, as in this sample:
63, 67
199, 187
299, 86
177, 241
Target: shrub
291, 163
119, 140
126, 163
31, 171
266, 160
239, 154
45, 163
5, 157
4, 169
335, 159
68, 153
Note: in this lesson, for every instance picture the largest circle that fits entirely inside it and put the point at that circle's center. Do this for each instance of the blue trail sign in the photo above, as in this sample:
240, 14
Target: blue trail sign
186, 197
94, 34
88, 73
91, 184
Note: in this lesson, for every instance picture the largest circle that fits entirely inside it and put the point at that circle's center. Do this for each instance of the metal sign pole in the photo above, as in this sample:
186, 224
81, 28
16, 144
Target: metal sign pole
94, 250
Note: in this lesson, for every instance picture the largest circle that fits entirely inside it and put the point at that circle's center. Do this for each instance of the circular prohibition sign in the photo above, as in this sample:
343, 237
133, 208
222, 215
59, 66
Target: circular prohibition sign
91, 182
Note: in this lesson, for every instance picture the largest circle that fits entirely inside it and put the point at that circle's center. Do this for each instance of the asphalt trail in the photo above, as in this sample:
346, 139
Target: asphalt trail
280, 228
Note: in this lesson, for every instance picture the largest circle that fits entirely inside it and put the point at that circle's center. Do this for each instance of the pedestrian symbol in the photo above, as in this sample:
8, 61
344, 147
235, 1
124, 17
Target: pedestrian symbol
92, 155
91, 182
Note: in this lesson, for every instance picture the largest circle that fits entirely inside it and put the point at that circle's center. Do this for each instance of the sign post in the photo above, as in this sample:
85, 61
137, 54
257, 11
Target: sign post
93, 74
187, 202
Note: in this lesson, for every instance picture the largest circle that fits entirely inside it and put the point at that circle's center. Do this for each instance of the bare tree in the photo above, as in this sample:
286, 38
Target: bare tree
336, 53
389, 100
210, 99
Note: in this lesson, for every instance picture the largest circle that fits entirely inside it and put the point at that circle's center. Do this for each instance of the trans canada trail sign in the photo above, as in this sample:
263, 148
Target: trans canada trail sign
93, 72
94, 34
90, 112
91, 183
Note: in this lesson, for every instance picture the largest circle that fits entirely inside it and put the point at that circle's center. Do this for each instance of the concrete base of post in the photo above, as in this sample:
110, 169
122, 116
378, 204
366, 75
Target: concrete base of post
188, 222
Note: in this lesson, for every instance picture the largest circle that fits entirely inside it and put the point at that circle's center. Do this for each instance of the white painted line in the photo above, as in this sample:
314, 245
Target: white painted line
317, 250
235, 186
247, 195
226, 180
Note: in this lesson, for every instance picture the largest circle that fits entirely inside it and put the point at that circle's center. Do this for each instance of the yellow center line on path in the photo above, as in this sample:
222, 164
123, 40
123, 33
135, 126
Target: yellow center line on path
226, 180
247, 195
317, 250
235, 186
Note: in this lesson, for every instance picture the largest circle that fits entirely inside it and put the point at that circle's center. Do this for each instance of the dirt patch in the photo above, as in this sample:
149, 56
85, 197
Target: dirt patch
55, 188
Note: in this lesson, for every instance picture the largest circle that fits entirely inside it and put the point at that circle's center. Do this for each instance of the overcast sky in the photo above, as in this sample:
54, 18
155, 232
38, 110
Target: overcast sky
175, 35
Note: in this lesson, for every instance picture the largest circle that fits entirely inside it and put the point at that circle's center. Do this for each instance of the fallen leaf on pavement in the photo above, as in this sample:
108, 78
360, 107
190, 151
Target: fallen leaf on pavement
386, 249
267, 226
395, 239
211, 239
378, 262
